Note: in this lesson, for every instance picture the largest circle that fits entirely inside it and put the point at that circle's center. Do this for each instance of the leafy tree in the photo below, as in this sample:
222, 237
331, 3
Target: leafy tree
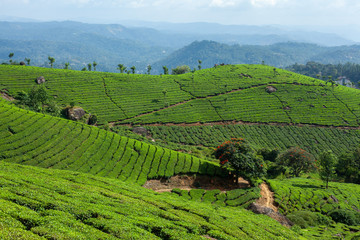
349, 165
94, 65
133, 68
51, 61
10, 56
83, 69
181, 70
199, 66
148, 69
241, 157
27, 60
327, 163
37, 99
89, 67
166, 70
67, 65
297, 160
121, 68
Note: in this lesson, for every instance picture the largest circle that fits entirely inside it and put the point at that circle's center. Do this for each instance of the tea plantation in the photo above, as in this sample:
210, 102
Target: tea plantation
224, 93
62, 179
41, 140
53, 204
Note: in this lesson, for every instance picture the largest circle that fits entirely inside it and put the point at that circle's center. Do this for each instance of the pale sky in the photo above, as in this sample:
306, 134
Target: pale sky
247, 12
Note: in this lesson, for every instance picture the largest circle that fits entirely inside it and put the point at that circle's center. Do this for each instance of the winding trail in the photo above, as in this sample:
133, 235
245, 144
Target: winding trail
267, 197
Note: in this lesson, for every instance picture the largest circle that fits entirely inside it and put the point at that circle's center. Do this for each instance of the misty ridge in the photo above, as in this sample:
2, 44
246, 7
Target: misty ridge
141, 44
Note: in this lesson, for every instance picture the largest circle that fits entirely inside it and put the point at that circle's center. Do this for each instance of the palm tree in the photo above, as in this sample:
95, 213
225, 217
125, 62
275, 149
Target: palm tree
166, 70
121, 67
133, 68
27, 60
10, 56
94, 65
51, 61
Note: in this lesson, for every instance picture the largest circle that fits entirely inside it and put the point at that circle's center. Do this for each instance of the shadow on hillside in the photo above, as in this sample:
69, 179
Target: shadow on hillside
307, 186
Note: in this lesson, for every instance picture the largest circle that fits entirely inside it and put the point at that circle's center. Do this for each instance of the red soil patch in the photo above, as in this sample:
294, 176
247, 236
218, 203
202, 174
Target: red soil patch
186, 182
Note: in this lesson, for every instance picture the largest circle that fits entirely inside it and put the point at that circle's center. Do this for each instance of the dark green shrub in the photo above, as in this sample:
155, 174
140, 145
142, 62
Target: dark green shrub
306, 219
92, 119
345, 216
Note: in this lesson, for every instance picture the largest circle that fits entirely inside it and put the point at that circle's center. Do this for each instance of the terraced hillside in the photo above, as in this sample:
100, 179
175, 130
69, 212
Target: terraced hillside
56, 204
40, 140
311, 138
224, 93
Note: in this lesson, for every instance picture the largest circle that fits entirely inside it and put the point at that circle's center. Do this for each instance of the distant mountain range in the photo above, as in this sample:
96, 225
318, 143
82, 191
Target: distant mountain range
168, 44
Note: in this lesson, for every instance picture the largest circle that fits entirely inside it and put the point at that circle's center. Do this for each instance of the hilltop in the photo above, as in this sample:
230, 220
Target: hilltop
227, 93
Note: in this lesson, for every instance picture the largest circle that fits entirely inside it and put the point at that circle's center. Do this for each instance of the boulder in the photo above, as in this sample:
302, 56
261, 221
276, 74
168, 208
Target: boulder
258, 209
270, 89
40, 80
140, 130
75, 113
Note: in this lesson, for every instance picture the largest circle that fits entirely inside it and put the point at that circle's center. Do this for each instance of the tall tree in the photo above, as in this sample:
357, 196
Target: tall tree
241, 157
148, 69
133, 68
67, 64
327, 161
89, 66
10, 56
94, 65
121, 68
27, 60
166, 70
199, 66
51, 61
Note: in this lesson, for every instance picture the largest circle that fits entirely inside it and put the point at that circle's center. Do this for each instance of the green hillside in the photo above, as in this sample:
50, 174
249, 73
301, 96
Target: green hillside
224, 93
51, 204
41, 140
313, 139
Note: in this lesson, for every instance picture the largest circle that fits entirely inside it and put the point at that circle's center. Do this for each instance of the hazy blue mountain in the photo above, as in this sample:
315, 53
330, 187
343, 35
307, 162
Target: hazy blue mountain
279, 54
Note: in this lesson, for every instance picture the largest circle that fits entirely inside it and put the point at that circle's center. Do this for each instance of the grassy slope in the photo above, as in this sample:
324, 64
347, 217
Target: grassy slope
43, 203
36, 139
116, 97
310, 138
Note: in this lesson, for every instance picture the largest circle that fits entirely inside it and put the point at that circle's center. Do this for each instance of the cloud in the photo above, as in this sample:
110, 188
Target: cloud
222, 3
264, 3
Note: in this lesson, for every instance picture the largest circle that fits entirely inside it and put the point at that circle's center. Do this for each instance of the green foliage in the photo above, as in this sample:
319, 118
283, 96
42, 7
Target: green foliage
349, 165
327, 163
297, 160
41, 140
40, 203
241, 157
92, 119
312, 69
310, 195
39, 100
180, 70
348, 217
306, 219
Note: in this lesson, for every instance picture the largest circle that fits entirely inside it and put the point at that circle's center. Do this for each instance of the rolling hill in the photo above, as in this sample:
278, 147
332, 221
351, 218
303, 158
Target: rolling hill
228, 98
84, 182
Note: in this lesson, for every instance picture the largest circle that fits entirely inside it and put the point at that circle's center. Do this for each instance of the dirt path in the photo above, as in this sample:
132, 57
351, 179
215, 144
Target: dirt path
6, 96
190, 182
267, 197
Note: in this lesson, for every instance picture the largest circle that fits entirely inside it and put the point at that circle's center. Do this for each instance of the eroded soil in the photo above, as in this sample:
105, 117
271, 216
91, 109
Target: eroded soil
187, 182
